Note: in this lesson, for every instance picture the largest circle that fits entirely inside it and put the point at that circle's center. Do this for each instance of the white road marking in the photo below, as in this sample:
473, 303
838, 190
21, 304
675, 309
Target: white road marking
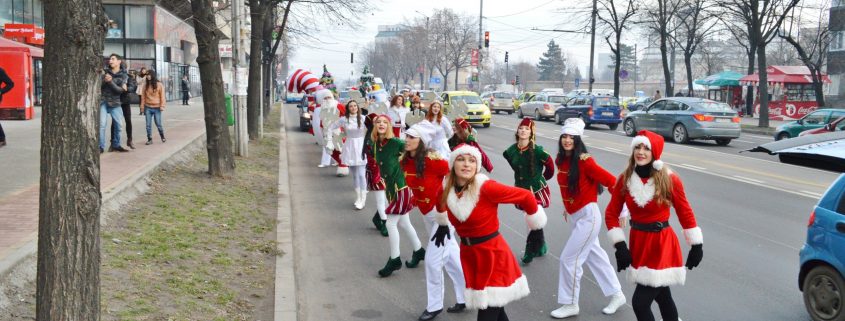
695, 167
817, 195
749, 179
746, 181
613, 149
744, 141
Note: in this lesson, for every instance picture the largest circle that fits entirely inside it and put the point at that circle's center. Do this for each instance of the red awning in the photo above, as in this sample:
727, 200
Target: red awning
780, 75
6, 44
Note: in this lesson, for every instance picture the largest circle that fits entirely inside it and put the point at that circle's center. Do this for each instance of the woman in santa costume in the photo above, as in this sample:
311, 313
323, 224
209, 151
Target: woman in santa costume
374, 181
493, 277
532, 167
386, 152
424, 172
463, 135
351, 153
580, 179
397, 113
654, 262
443, 129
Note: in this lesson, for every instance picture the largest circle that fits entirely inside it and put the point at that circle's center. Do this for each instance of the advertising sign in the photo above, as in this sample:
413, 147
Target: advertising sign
474, 53
28, 33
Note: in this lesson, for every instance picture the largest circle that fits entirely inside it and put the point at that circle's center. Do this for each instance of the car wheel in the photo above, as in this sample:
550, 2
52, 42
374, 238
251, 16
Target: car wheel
586, 122
679, 134
519, 113
629, 127
723, 141
557, 119
510, 112
486, 125
823, 294
537, 115
613, 126
782, 136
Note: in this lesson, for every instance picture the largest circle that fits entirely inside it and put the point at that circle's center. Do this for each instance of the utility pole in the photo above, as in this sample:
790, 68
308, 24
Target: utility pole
239, 107
636, 69
592, 46
480, 45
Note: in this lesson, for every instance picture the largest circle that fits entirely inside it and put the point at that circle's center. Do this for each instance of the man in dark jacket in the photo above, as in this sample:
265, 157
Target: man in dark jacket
185, 89
113, 86
131, 87
6, 85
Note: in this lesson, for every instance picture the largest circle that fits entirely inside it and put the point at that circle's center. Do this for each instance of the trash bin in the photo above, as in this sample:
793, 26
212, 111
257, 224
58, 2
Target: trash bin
230, 114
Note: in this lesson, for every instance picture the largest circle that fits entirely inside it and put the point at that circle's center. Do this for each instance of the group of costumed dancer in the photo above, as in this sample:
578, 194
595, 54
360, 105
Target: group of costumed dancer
435, 166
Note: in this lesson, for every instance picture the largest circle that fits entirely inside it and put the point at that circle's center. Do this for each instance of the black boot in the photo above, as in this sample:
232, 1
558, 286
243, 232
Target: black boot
418, 256
163, 140
393, 264
425, 316
458, 307
381, 225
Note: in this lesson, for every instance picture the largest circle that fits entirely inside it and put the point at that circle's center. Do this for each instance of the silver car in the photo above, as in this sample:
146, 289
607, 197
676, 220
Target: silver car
541, 106
499, 101
686, 118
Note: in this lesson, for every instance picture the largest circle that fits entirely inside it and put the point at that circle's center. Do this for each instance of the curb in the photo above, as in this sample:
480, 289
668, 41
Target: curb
753, 129
284, 307
18, 266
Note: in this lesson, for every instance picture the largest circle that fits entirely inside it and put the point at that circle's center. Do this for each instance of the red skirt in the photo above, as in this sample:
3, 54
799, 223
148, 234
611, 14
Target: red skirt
402, 204
374, 180
657, 259
493, 277
543, 197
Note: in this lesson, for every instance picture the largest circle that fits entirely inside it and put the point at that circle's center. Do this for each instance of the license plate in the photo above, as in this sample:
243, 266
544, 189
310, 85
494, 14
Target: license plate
607, 114
723, 120
474, 117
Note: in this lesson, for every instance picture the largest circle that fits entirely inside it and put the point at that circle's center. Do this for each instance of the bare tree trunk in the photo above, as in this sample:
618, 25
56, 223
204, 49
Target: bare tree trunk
221, 162
68, 275
618, 64
258, 13
764, 85
688, 65
266, 61
817, 86
665, 62
749, 93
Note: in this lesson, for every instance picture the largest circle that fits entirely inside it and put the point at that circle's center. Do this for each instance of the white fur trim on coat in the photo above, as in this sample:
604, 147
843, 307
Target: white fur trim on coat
441, 218
641, 193
640, 140
694, 236
495, 296
658, 278
537, 220
342, 171
616, 235
464, 150
462, 207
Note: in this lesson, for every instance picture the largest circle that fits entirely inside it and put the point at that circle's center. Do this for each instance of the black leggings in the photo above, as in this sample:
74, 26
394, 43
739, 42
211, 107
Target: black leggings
644, 295
127, 119
492, 314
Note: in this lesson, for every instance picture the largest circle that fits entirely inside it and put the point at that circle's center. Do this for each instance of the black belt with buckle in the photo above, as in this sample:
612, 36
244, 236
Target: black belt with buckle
468, 241
650, 227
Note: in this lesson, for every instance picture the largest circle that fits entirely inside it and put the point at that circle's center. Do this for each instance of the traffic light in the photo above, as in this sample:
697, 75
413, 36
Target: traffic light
487, 39
351, 57
506, 56
517, 80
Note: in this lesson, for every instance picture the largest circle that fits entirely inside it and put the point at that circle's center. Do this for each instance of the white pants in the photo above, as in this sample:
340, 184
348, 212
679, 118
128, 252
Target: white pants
583, 247
403, 221
381, 203
359, 177
326, 159
446, 257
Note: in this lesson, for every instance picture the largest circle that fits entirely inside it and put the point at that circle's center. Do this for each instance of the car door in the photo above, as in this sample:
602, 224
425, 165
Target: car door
816, 119
665, 119
648, 119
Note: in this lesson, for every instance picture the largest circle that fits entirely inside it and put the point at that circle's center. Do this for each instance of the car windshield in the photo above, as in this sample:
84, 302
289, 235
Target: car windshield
344, 94
558, 99
606, 101
466, 99
712, 106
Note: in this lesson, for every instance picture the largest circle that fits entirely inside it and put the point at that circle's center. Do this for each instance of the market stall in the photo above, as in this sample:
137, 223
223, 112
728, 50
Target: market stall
724, 87
790, 90
19, 62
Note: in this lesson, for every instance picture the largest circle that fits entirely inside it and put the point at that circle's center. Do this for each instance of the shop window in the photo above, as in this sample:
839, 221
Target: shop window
116, 22
836, 41
140, 51
38, 12
111, 48
139, 22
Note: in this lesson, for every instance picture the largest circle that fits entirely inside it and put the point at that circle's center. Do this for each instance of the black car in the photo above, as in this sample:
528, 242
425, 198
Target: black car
304, 114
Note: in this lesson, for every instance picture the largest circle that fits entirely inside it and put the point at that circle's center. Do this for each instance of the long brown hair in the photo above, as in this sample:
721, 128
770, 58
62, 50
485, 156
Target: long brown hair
393, 101
532, 159
662, 181
452, 182
358, 114
430, 117
419, 158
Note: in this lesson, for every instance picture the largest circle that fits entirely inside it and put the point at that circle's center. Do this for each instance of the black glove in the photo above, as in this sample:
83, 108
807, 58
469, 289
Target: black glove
534, 241
440, 235
623, 256
694, 257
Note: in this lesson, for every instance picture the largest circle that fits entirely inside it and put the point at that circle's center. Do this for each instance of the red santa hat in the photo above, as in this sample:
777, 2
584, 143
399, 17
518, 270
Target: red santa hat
530, 124
654, 142
462, 123
465, 149
303, 81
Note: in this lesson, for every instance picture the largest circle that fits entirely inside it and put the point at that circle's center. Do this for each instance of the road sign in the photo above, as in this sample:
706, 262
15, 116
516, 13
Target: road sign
577, 82
434, 80
623, 74
474, 53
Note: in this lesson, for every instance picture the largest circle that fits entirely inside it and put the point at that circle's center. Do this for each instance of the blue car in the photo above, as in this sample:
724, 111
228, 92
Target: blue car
593, 109
823, 256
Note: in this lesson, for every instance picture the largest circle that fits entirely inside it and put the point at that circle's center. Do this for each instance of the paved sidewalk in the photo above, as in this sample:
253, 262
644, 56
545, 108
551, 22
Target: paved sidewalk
183, 125
750, 125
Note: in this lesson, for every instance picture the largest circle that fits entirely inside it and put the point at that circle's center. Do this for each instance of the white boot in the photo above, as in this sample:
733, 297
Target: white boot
342, 171
565, 311
362, 200
357, 198
616, 301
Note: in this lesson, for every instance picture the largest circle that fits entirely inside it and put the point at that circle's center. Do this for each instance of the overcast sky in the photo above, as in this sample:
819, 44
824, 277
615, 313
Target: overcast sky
509, 25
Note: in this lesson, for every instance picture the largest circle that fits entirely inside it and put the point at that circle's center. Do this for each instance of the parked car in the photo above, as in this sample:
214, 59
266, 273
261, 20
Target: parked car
541, 106
592, 109
343, 96
822, 258
293, 98
499, 101
304, 113
685, 119
477, 112
426, 98
813, 120
640, 103
521, 98
836, 125
625, 102
552, 91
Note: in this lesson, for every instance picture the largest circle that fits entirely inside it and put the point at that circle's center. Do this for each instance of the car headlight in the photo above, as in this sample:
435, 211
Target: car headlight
306, 116
486, 112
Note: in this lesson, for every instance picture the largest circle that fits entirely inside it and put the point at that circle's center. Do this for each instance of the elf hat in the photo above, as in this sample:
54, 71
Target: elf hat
465, 149
654, 142
573, 127
303, 81
530, 124
462, 123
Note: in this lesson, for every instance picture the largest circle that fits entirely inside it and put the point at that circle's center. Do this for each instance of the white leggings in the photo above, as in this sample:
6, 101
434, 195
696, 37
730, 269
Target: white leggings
359, 176
381, 204
403, 221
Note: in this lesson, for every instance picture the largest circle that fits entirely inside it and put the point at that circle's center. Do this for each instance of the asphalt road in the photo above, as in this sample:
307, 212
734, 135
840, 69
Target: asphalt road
753, 213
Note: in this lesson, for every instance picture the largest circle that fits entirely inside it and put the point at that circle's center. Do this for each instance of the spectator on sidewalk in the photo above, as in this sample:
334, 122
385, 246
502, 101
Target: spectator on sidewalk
6, 85
152, 104
185, 90
113, 86
131, 86
141, 79
657, 95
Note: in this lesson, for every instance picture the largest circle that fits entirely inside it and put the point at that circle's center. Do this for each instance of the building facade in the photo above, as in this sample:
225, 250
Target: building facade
836, 54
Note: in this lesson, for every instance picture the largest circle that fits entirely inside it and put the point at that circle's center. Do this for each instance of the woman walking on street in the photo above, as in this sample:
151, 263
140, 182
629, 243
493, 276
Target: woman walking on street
532, 167
493, 277
654, 262
463, 135
397, 113
185, 89
152, 105
424, 172
131, 87
580, 179
386, 152
374, 181
6, 85
352, 151
141, 80
443, 129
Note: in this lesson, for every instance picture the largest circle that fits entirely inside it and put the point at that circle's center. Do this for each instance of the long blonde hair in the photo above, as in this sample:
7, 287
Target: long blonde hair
452, 182
662, 181
374, 136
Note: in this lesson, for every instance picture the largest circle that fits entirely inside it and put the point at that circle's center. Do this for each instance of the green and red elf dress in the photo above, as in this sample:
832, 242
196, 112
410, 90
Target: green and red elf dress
386, 153
374, 180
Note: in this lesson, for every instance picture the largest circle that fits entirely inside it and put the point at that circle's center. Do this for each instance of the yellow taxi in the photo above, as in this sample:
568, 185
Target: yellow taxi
477, 112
